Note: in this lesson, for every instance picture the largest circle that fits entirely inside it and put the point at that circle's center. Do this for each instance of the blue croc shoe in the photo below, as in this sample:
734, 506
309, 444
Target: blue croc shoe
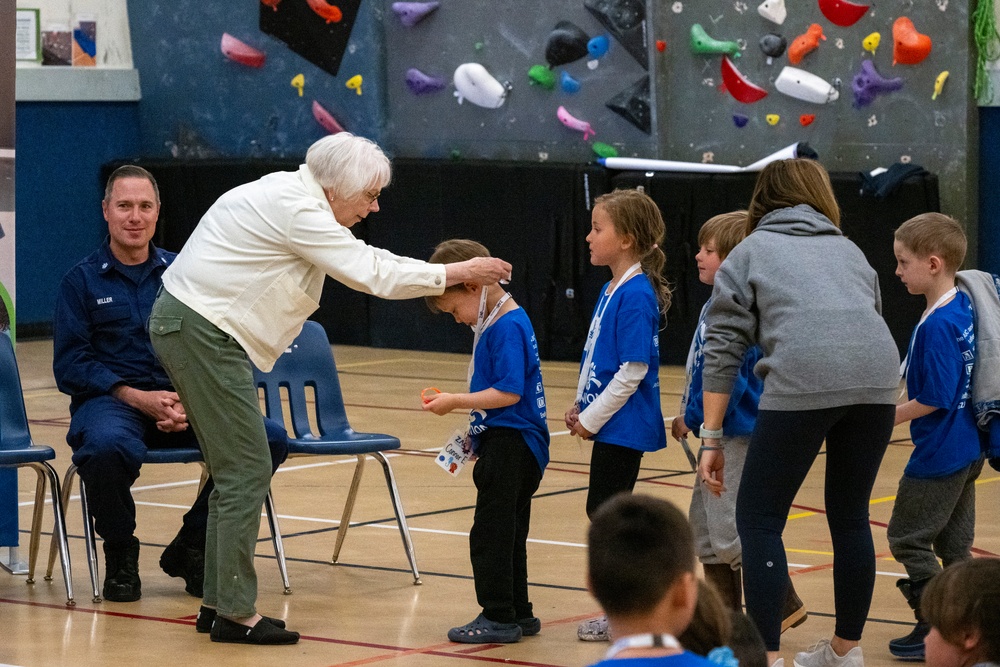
484, 631
530, 626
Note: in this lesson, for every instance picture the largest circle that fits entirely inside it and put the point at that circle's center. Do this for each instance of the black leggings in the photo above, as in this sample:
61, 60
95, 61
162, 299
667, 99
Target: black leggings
613, 469
782, 450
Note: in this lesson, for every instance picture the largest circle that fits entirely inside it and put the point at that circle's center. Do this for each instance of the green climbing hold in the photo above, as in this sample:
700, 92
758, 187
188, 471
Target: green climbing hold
705, 45
604, 150
541, 75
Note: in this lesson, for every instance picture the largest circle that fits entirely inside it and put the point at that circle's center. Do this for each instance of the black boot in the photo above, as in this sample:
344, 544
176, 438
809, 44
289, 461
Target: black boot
911, 647
182, 559
793, 612
121, 570
728, 582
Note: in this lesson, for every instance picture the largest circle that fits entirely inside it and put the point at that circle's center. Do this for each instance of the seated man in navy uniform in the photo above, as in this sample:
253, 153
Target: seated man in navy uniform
122, 400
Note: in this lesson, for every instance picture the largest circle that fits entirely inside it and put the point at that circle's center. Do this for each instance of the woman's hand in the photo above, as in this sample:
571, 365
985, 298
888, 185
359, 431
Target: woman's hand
710, 465
579, 430
478, 270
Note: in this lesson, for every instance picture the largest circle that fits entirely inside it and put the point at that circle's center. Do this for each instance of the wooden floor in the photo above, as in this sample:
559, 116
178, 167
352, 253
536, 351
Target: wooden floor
366, 609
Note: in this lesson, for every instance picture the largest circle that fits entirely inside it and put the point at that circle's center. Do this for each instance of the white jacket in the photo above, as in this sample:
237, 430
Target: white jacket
254, 265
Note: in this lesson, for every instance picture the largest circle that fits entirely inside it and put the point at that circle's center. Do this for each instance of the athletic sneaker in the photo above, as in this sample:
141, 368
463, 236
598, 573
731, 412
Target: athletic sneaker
594, 630
822, 654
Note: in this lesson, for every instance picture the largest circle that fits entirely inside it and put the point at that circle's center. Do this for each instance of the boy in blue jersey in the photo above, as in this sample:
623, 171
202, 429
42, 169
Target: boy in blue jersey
935, 511
713, 518
511, 440
640, 567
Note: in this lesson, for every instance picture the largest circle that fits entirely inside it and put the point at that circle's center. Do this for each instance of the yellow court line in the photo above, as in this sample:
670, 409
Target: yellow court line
885, 499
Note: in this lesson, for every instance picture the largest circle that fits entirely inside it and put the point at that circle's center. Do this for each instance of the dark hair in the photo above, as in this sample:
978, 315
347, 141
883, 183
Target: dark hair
965, 599
638, 547
130, 171
711, 624
726, 229
787, 183
449, 252
934, 234
745, 641
637, 217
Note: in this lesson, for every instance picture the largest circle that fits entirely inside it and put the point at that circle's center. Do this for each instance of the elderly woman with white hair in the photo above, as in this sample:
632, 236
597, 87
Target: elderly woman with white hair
239, 291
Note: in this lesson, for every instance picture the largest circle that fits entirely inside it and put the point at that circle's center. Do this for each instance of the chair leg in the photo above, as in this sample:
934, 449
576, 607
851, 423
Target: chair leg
59, 529
345, 519
279, 548
91, 541
36, 522
67, 491
397, 507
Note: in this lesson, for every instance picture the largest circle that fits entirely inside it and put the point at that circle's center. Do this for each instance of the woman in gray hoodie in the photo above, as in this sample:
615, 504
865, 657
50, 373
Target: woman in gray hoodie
804, 293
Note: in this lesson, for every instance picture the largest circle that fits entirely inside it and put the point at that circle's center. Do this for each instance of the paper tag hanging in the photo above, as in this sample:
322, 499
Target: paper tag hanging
457, 451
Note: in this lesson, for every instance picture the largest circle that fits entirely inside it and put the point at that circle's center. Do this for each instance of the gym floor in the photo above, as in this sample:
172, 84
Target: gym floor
366, 609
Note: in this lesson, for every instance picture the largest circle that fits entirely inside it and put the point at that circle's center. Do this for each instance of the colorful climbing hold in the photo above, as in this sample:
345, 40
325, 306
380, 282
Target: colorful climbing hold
568, 83
567, 42
354, 83
324, 10
807, 119
573, 123
939, 84
739, 120
241, 52
702, 44
805, 43
602, 149
421, 84
868, 84
474, 83
661, 45
412, 13
841, 12
325, 119
871, 42
773, 10
299, 83
598, 46
738, 85
540, 75
772, 118
909, 46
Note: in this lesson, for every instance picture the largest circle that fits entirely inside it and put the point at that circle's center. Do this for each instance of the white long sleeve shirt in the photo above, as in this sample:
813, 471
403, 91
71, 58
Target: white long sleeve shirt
254, 266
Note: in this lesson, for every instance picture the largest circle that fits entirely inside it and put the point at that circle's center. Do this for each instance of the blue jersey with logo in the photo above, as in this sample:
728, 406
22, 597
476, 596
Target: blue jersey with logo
506, 359
941, 357
629, 332
741, 413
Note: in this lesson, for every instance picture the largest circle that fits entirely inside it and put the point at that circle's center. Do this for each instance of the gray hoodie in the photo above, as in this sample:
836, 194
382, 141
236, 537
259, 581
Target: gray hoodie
806, 294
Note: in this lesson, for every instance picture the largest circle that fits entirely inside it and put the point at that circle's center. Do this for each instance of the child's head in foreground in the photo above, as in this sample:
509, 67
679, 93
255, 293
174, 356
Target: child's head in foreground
461, 301
962, 606
641, 563
928, 245
717, 238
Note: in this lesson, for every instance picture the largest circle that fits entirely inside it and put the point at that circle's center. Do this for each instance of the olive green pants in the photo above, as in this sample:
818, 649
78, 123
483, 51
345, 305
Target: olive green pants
213, 377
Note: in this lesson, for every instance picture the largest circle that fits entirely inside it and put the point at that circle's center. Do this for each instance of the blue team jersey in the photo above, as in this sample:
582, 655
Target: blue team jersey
741, 413
506, 359
684, 659
942, 353
629, 332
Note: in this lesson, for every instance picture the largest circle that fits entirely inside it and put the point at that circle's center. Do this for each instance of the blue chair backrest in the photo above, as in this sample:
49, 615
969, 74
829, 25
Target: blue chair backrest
13, 419
308, 362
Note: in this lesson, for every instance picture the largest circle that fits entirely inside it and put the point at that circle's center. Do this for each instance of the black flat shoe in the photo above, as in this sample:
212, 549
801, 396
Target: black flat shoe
206, 616
262, 634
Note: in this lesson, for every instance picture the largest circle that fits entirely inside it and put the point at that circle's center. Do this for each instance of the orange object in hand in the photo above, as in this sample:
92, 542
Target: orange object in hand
427, 394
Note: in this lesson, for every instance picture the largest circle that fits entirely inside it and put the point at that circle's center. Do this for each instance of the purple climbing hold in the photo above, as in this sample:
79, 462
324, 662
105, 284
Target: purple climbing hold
421, 84
868, 84
739, 120
412, 13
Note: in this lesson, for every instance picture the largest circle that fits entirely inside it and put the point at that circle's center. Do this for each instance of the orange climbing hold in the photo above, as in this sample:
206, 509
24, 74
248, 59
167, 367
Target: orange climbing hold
805, 43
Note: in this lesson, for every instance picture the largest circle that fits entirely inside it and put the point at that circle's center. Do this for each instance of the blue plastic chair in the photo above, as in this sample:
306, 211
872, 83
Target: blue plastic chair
309, 363
18, 451
169, 455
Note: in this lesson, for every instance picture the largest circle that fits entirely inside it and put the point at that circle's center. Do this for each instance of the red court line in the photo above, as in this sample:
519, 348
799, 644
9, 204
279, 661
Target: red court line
479, 648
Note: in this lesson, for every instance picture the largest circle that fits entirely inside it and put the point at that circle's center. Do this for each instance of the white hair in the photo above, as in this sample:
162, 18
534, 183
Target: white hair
347, 165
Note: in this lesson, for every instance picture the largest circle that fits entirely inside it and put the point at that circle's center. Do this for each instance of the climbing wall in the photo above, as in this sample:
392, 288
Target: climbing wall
693, 115
506, 40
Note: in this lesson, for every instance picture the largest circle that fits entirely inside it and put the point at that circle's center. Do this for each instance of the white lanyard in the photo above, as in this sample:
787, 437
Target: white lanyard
937, 304
642, 641
595, 331
481, 325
